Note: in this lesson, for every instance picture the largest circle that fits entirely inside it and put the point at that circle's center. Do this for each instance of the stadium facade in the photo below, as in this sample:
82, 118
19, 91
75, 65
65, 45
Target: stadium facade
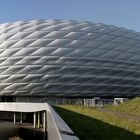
60, 58
75, 62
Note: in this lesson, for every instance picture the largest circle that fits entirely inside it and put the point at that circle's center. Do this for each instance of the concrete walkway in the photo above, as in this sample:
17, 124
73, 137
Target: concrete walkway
52, 123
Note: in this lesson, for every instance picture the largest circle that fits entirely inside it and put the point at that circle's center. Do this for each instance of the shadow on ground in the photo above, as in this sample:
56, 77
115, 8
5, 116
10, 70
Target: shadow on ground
10, 130
87, 128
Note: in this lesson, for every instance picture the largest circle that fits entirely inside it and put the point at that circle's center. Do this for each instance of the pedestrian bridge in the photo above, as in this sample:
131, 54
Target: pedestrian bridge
44, 118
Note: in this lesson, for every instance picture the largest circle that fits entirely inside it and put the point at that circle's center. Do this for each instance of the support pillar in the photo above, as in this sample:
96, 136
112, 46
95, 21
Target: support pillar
38, 121
34, 119
20, 117
44, 121
14, 117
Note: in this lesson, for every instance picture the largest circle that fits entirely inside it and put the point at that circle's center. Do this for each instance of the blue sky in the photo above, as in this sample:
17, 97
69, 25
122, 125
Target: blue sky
124, 13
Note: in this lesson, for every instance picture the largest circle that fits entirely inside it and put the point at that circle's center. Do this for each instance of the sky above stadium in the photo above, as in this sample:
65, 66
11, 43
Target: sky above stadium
123, 13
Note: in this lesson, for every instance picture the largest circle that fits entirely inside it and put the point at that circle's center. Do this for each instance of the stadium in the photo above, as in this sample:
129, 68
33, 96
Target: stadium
65, 61
68, 58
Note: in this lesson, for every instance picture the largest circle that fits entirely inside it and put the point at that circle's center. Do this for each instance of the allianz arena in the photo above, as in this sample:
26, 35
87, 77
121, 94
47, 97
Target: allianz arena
68, 58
